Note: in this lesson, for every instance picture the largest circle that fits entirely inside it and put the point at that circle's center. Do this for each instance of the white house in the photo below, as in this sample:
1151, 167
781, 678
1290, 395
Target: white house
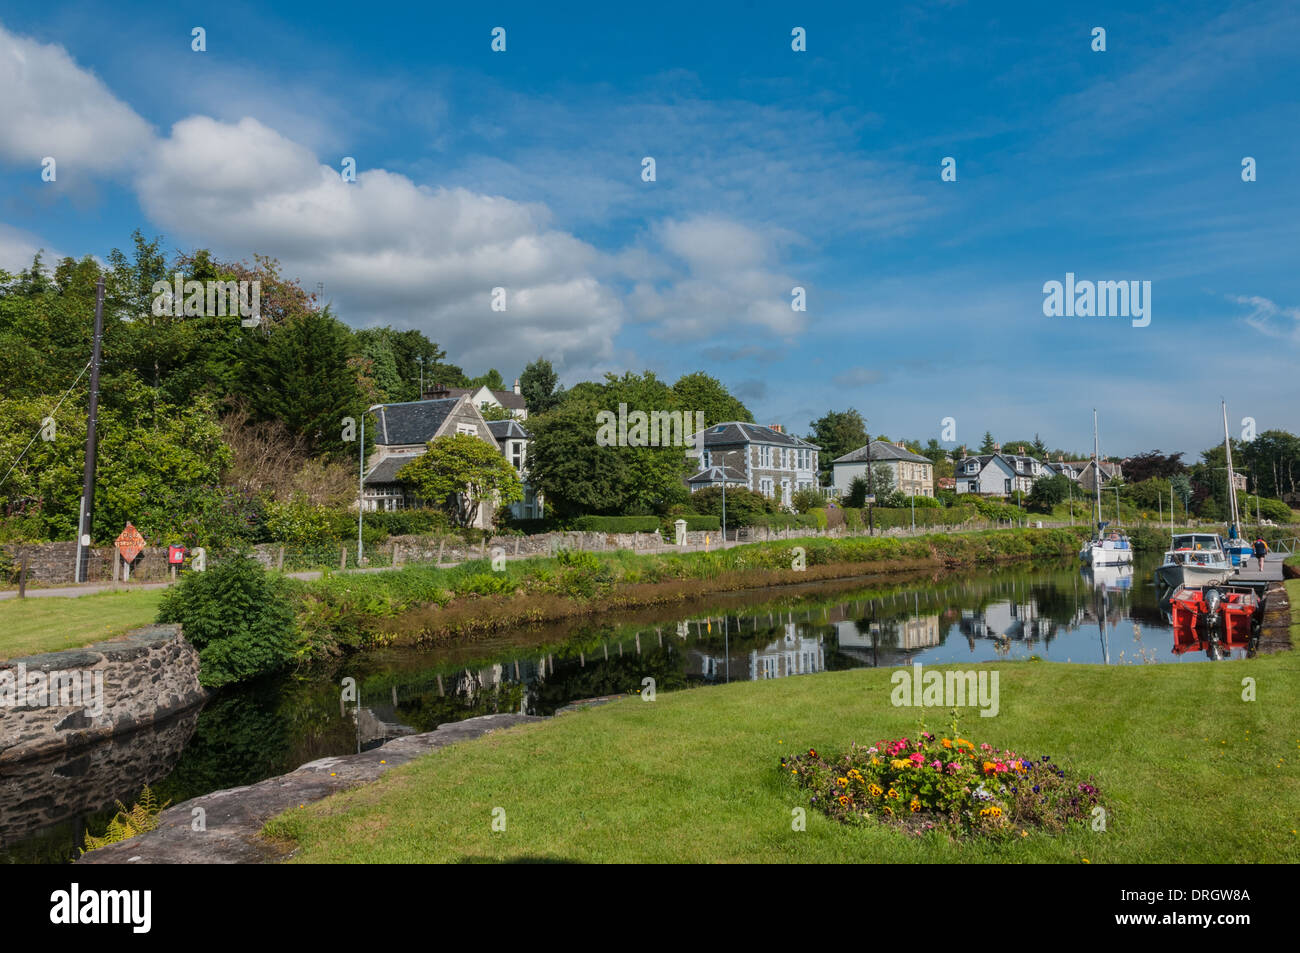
998, 474
484, 397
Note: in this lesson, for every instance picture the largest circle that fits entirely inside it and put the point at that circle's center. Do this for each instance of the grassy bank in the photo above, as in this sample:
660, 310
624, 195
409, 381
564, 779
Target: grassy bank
422, 603
1190, 772
52, 623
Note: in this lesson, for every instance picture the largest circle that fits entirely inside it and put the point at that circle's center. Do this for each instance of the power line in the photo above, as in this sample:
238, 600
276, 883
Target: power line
42, 426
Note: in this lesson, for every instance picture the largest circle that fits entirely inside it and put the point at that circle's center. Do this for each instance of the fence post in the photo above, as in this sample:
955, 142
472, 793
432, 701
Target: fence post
442, 541
279, 559
343, 558
22, 580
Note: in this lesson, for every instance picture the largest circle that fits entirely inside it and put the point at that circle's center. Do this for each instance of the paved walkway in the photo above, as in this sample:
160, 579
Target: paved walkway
1272, 571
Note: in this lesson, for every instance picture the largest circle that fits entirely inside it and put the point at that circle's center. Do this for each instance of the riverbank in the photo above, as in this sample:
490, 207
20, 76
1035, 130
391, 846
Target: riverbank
424, 605
692, 777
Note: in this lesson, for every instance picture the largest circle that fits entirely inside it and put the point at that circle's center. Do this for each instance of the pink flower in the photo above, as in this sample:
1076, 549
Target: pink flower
937, 765
916, 757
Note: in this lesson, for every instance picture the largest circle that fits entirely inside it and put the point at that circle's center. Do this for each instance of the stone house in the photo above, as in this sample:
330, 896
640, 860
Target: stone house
766, 460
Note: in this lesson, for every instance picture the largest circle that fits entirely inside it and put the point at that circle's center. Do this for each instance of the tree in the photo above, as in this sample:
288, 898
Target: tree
299, 373
698, 392
580, 476
491, 380
539, 386
837, 432
988, 445
1048, 491
1152, 465
459, 473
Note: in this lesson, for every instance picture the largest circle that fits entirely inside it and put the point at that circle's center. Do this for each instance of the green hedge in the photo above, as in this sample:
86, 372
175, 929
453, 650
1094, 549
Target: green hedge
617, 524
788, 521
695, 522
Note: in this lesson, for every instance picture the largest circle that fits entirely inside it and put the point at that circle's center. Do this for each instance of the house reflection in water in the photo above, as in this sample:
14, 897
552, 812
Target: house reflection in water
1007, 622
887, 642
799, 651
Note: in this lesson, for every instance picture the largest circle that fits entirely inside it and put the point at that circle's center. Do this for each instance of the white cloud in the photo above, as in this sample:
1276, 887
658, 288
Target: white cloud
50, 106
18, 247
724, 274
387, 249
1270, 318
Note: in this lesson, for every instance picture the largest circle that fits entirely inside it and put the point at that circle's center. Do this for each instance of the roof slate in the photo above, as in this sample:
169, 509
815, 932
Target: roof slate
413, 422
881, 451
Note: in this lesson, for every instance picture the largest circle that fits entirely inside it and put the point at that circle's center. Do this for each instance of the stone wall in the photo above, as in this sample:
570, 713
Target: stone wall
102, 690
39, 792
433, 548
55, 563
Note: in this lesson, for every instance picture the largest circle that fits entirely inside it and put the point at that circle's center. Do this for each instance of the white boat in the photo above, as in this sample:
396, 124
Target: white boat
1106, 548
1194, 559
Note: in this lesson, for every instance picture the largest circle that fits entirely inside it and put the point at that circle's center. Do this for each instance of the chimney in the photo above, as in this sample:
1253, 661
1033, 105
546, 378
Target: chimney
516, 385
1022, 449
997, 448
776, 427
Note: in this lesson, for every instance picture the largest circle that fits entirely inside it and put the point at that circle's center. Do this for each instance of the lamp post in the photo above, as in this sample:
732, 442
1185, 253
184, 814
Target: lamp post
361, 479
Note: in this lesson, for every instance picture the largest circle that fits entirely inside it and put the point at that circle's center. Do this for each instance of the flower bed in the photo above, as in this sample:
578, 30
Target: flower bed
945, 783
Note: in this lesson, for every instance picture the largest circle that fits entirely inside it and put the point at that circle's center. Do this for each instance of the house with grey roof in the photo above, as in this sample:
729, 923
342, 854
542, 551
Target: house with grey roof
766, 460
913, 474
403, 431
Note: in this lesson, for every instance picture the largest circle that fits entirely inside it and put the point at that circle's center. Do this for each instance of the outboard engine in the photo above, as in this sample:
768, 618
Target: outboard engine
1214, 621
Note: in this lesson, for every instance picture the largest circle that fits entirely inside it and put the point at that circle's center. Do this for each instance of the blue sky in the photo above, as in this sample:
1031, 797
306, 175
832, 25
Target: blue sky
819, 169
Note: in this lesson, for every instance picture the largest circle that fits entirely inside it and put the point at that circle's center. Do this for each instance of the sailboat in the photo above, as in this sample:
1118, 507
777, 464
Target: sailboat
1237, 548
1105, 548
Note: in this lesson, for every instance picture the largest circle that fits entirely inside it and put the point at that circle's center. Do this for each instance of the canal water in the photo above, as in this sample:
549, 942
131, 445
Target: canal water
1058, 613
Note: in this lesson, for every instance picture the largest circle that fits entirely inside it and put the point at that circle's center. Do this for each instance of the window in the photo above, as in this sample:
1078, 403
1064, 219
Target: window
468, 429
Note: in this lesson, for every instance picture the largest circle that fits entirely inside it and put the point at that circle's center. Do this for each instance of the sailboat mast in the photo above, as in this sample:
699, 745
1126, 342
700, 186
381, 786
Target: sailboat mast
1232, 487
1096, 464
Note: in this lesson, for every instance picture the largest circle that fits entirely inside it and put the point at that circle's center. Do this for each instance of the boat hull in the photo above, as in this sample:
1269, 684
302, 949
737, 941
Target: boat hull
1097, 555
1171, 575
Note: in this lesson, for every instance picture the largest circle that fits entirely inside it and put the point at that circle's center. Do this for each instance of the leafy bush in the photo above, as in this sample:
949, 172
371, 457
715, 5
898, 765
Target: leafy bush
695, 522
807, 499
783, 520
408, 522
302, 525
743, 506
944, 783
236, 616
617, 524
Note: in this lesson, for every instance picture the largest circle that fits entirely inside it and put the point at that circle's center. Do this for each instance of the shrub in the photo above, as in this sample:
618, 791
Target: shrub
805, 500
695, 522
944, 783
299, 524
743, 506
617, 524
408, 522
240, 622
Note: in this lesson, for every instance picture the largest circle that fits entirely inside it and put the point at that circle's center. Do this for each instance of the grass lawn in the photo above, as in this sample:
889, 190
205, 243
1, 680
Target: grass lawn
31, 626
1190, 773
1293, 597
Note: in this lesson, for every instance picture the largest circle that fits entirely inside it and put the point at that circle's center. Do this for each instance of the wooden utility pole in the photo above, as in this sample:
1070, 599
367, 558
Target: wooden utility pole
92, 427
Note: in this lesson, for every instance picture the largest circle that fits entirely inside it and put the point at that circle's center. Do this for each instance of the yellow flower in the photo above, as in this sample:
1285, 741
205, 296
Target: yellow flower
875, 790
842, 782
892, 794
